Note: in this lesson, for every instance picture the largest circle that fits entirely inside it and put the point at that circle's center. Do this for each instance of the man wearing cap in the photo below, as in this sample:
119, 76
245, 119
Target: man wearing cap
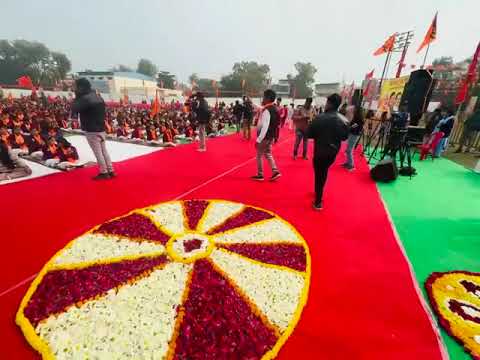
91, 108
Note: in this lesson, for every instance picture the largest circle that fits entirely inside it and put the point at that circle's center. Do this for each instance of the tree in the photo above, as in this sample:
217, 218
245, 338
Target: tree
301, 83
166, 79
63, 64
146, 67
22, 57
121, 68
193, 79
256, 77
206, 85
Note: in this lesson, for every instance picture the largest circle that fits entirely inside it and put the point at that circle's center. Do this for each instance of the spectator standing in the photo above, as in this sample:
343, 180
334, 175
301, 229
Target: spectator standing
301, 121
91, 108
470, 128
267, 125
356, 128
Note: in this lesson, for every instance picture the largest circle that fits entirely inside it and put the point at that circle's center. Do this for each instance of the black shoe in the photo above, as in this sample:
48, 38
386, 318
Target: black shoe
317, 206
112, 174
275, 176
305, 157
257, 178
104, 176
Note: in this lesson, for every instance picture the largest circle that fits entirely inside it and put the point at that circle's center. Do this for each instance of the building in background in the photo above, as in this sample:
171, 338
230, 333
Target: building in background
121, 84
326, 89
282, 88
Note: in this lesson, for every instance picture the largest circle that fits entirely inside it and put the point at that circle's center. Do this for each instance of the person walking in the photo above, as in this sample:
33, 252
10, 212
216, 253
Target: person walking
301, 121
203, 117
267, 125
247, 118
91, 108
327, 130
356, 128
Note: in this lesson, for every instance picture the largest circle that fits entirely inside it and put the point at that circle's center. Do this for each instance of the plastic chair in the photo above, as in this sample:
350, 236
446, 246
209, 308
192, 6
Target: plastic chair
430, 146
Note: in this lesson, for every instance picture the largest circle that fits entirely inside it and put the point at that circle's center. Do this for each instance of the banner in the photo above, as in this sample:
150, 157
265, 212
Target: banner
391, 93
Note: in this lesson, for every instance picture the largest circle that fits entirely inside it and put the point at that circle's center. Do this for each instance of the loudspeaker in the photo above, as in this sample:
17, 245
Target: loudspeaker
417, 93
357, 97
385, 171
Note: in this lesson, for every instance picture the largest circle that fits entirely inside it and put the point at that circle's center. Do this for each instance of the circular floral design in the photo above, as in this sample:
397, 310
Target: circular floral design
455, 297
191, 279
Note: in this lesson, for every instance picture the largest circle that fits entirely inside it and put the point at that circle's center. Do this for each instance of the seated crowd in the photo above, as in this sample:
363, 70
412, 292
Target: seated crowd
33, 127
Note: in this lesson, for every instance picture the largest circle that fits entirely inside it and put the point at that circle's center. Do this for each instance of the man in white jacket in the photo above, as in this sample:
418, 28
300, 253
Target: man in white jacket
267, 126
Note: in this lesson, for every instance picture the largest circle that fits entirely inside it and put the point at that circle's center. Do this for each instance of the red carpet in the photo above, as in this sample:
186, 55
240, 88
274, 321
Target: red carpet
362, 303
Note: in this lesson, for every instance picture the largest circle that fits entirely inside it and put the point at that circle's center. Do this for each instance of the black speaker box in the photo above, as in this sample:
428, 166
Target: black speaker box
418, 91
385, 171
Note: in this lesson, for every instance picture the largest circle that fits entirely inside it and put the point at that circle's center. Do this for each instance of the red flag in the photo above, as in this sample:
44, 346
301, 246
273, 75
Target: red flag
369, 75
469, 78
387, 46
431, 34
25, 82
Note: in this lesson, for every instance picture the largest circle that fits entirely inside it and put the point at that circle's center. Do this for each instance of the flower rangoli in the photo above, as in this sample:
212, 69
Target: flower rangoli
455, 297
191, 279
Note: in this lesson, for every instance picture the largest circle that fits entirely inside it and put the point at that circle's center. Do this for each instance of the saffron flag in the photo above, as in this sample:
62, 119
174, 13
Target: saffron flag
431, 34
387, 46
369, 75
469, 78
155, 107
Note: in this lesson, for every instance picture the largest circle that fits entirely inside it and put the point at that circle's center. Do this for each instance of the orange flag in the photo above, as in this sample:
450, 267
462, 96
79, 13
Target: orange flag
155, 107
387, 46
431, 34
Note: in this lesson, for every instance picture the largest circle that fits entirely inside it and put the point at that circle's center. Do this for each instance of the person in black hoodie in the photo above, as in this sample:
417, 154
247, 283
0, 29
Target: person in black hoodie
328, 130
91, 108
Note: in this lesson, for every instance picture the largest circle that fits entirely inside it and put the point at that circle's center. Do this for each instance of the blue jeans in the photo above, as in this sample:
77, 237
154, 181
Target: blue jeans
442, 145
299, 136
351, 142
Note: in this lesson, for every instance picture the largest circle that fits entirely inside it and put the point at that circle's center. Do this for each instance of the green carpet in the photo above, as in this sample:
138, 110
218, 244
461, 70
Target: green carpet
437, 216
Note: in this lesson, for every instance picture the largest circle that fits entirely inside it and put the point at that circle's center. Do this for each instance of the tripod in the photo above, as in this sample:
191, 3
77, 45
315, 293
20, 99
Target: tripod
381, 132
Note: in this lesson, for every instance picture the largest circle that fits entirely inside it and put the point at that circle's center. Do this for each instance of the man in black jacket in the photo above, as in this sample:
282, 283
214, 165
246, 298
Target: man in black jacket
202, 113
91, 108
328, 131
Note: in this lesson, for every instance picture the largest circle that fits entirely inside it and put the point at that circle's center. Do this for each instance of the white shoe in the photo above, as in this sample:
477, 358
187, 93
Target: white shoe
201, 150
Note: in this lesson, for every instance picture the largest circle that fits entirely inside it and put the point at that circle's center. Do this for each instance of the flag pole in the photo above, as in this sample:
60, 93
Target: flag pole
384, 70
425, 57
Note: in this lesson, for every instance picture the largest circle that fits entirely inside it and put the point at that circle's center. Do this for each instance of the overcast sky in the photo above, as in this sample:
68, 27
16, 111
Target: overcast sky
208, 36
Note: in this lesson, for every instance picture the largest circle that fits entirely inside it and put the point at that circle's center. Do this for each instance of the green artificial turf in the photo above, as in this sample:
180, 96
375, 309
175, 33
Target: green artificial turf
437, 216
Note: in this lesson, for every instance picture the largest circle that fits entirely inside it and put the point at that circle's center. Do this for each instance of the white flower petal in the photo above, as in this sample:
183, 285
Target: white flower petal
217, 212
96, 246
268, 231
275, 292
169, 216
136, 322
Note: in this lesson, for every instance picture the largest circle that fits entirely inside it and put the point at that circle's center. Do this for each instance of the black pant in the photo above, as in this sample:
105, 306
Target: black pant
321, 164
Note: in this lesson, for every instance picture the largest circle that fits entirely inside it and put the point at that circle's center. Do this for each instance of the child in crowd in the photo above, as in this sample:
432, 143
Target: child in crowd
18, 143
36, 145
51, 153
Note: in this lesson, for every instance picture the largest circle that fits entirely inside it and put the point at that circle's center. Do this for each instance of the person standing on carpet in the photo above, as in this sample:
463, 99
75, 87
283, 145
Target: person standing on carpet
91, 108
301, 122
356, 128
202, 113
328, 130
267, 125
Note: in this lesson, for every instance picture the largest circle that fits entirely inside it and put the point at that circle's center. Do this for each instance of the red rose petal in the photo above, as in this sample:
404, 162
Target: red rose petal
218, 323
249, 215
62, 288
193, 244
194, 210
290, 255
134, 226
